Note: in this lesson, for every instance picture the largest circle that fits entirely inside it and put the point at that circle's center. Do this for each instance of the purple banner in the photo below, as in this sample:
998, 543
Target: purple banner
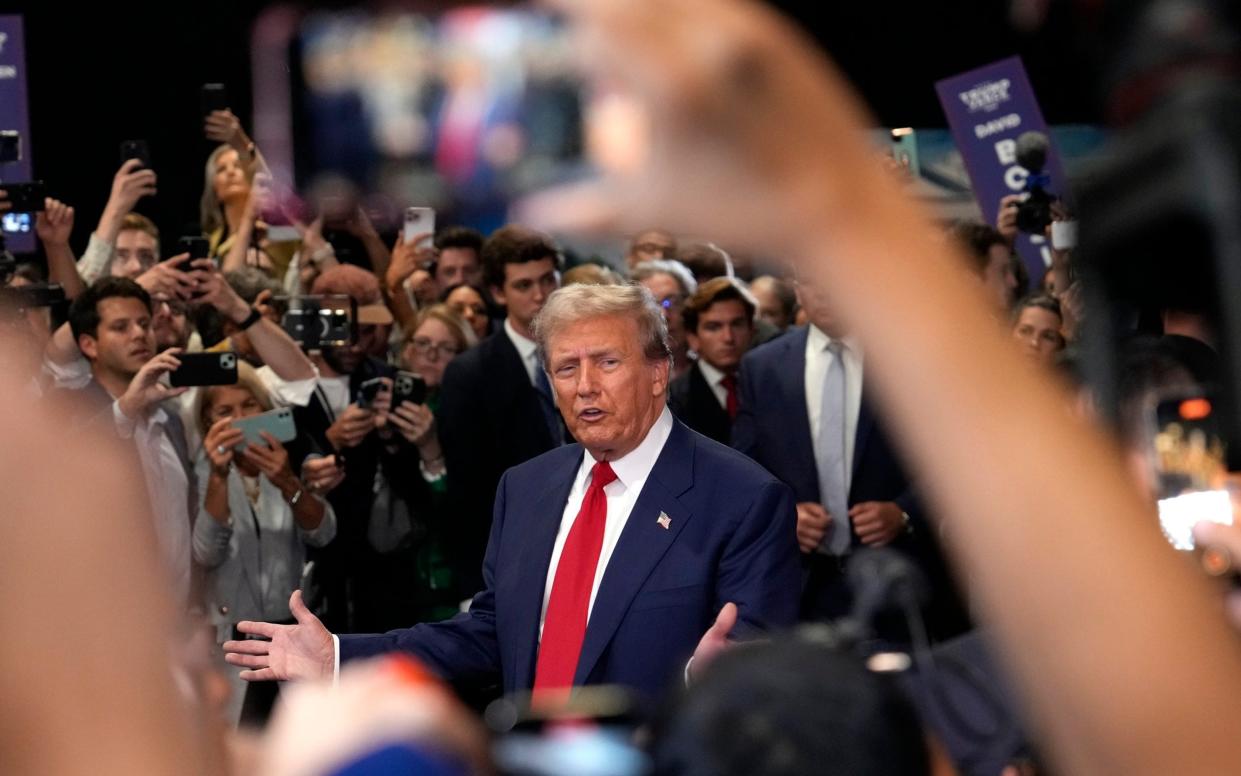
987, 110
14, 116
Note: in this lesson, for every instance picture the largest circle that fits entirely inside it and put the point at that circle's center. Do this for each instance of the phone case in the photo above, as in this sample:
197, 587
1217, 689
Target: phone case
278, 422
408, 387
418, 220
204, 369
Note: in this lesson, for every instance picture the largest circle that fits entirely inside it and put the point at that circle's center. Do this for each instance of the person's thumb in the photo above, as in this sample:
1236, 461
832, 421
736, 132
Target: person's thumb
300, 613
725, 621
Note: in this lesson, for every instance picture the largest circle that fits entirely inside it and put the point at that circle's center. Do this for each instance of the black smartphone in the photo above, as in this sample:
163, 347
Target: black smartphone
409, 387
136, 149
368, 391
196, 247
204, 369
26, 197
214, 97
10, 146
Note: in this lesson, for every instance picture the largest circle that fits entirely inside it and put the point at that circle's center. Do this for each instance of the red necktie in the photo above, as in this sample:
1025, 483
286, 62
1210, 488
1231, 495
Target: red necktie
730, 399
564, 627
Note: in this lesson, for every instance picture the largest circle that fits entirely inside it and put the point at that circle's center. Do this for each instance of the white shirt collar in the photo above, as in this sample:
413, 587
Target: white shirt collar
713, 375
818, 340
636, 465
526, 348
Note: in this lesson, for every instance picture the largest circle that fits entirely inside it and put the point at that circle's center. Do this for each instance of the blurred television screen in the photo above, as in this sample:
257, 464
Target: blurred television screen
462, 111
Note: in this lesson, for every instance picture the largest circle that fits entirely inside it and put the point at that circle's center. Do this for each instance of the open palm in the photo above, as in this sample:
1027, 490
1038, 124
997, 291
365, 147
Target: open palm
301, 651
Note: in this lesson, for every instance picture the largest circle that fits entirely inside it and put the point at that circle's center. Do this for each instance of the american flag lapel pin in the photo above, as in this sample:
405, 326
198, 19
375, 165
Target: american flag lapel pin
664, 521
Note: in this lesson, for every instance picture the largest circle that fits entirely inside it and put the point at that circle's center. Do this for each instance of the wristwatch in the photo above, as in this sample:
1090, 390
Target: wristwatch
296, 497
254, 317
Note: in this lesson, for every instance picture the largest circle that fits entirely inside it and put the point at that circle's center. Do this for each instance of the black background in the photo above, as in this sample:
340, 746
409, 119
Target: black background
99, 74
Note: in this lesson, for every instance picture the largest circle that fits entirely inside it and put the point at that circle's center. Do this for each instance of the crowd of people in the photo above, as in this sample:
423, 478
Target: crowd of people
469, 471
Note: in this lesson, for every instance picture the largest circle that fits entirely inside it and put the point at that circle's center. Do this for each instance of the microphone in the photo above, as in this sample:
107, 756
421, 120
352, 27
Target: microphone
1032, 148
884, 579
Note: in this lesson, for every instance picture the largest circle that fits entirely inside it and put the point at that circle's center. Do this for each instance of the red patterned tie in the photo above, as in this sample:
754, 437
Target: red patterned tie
564, 627
730, 396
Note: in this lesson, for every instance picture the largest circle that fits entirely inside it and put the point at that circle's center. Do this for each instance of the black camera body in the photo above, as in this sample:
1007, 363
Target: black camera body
317, 322
26, 197
1034, 214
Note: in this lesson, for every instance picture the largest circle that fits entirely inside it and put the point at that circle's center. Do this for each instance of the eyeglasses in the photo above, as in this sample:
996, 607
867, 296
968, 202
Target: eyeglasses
423, 347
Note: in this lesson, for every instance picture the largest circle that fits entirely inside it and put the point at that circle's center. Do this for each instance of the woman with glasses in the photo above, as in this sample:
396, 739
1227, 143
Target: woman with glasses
255, 520
407, 524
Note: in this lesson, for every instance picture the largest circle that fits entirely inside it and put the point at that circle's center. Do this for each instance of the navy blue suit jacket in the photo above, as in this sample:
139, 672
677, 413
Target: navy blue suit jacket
773, 428
731, 538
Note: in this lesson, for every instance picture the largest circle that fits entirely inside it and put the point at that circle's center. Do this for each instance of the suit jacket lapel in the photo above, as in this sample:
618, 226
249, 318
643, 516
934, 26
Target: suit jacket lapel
526, 397
643, 542
533, 567
865, 425
712, 416
792, 381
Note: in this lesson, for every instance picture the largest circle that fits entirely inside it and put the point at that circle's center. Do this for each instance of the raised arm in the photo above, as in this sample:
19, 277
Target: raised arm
272, 343
54, 226
753, 137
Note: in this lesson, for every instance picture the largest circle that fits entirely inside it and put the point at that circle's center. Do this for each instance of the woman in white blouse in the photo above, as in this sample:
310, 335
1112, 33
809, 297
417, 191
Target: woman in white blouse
256, 518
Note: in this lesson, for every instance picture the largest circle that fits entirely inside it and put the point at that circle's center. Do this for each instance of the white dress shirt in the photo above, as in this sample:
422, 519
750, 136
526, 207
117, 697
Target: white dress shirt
622, 493
167, 491
528, 349
818, 361
715, 379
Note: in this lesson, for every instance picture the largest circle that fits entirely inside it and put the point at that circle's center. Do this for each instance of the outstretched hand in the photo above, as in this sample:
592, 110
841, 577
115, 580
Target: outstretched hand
301, 651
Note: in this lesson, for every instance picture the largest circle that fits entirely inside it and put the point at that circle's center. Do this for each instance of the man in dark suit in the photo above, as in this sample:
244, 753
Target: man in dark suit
719, 323
496, 406
805, 418
615, 560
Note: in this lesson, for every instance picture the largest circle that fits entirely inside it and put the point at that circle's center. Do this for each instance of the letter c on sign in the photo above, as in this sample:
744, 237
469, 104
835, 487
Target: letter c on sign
1015, 178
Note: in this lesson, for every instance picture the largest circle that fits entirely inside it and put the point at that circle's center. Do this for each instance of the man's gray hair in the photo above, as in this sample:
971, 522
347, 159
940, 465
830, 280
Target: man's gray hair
573, 304
679, 272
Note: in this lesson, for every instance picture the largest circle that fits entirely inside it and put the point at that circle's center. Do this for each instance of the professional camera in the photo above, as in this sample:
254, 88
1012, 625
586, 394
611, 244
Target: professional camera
317, 322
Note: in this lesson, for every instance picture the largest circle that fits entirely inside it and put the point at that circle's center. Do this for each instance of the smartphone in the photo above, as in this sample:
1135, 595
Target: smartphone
213, 97
136, 149
419, 220
368, 391
10, 146
1187, 454
278, 422
905, 149
409, 387
197, 248
204, 369
26, 197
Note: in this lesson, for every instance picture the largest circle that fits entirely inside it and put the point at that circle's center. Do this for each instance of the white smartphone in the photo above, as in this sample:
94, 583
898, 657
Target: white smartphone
419, 220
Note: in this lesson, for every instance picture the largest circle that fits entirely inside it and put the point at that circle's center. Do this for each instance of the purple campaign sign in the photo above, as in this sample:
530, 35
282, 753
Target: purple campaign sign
18, 229
987, 110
